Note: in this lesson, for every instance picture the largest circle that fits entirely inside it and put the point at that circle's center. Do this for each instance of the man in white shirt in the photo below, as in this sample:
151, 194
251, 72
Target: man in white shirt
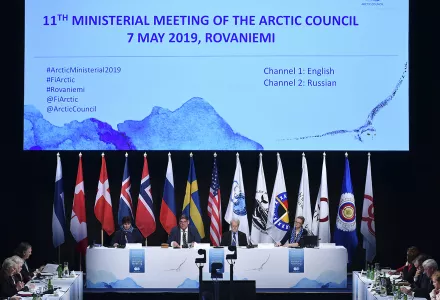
183, 235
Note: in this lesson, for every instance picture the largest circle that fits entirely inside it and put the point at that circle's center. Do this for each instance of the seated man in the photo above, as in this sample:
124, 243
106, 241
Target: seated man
293, 236
183, 235
234, 237
423, 286
127, 234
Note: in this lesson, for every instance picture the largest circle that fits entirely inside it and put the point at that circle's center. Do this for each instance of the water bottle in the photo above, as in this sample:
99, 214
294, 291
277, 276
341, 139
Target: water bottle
49, 285
66, 269
60, 271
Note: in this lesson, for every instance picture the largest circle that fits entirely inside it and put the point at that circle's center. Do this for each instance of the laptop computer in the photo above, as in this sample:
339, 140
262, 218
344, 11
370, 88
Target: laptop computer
309, 241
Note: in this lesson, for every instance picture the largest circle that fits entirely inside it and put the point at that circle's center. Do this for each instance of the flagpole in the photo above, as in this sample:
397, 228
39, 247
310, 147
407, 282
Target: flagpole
59, 254
80, 261
102, 237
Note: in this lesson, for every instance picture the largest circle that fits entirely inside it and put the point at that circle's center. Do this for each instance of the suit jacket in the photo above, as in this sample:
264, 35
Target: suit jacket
227, 239
7, 286
423, 287
409, 272
193, 235
286, 237
26, 273
132, 237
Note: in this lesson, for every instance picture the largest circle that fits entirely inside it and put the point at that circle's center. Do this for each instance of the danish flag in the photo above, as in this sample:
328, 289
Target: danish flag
103, 202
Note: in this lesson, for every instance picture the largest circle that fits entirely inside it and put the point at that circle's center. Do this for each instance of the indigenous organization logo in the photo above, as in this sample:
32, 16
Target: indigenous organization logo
346, 220
238, 200
281, 212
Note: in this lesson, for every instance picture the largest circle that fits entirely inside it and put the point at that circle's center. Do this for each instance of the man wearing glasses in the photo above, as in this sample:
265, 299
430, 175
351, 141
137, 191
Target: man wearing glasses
183, 235
294, 234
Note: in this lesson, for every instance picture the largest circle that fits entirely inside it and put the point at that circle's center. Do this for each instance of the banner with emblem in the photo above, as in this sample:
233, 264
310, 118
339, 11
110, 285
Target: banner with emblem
237, 203
278, 217
368, 229
261, 210
345, 233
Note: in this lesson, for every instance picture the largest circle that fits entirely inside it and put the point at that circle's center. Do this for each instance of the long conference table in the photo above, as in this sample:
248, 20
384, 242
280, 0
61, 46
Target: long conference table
168, 268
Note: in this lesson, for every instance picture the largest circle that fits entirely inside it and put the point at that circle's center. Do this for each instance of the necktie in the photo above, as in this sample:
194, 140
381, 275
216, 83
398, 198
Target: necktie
184, 241
234, 240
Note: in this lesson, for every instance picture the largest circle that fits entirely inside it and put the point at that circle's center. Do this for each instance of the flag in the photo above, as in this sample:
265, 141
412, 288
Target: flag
261, 210
168, 207
321, 219
215, 207
237, 202
345, 232
278, 217
303, 207
103, 201
125, 202
145, 220
368, 229
191, 202
58, 215
78, 224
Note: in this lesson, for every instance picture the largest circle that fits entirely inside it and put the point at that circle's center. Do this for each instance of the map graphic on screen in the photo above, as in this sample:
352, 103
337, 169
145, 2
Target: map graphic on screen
229, 75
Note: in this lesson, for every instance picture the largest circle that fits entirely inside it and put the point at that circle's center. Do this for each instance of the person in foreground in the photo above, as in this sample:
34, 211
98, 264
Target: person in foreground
435, 293
24, 251
294, 234
183, 235
234, 237
127, 234
8, 286
423, 286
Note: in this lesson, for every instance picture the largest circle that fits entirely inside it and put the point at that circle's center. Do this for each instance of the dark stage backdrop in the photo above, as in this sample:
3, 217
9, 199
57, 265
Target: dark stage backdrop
404, 183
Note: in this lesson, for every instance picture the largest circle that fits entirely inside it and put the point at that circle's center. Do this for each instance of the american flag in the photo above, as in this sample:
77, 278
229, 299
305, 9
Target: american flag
215, 207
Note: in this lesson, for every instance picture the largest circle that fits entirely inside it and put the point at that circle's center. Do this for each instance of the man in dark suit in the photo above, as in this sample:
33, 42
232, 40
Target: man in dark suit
8, 286
423, 286
293, 236
234, 237
183, 235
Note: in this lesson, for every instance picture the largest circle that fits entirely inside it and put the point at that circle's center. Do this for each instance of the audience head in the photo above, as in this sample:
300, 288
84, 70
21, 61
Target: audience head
183, 222
419, 260
429, 267
436, 280
234, 225
299, 222
126, 222
24, 250
411, 254
19, 262
9, 267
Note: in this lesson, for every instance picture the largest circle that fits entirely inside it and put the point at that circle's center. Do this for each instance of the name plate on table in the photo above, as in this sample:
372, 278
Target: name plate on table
296, 260
217, 256
137, 261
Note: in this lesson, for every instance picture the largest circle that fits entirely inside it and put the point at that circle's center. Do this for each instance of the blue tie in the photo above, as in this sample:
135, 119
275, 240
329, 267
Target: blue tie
234, 240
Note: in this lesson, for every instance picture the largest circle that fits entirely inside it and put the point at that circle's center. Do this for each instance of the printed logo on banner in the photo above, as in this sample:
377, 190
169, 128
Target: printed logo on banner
217, 255
296, 260
372, 2
137, 261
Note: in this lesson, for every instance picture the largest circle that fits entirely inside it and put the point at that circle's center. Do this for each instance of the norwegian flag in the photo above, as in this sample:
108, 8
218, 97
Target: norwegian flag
146, 222
103, 202
215, 207
125, 202
78, 224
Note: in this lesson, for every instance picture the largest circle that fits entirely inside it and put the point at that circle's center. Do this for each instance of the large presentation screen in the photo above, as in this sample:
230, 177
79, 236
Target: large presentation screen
216, 75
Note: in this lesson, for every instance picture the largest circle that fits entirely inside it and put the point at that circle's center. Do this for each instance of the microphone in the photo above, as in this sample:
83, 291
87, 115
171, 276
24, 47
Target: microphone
126, 240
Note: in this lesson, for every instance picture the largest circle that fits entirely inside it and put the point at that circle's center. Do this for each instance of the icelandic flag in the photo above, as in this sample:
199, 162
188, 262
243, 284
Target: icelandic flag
345, 232
78, 224
237, 202
145, 220
303, 207
321, 218
278, 217
368, 229
191, 202
58, 216
168, 217
103, 202
261, 210
125, 202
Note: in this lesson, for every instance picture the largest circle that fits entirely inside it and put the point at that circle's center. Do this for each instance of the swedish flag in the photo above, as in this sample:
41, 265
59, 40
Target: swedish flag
191, 203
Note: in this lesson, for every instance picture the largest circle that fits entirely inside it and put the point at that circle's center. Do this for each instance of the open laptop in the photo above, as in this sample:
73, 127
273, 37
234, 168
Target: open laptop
309, 241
